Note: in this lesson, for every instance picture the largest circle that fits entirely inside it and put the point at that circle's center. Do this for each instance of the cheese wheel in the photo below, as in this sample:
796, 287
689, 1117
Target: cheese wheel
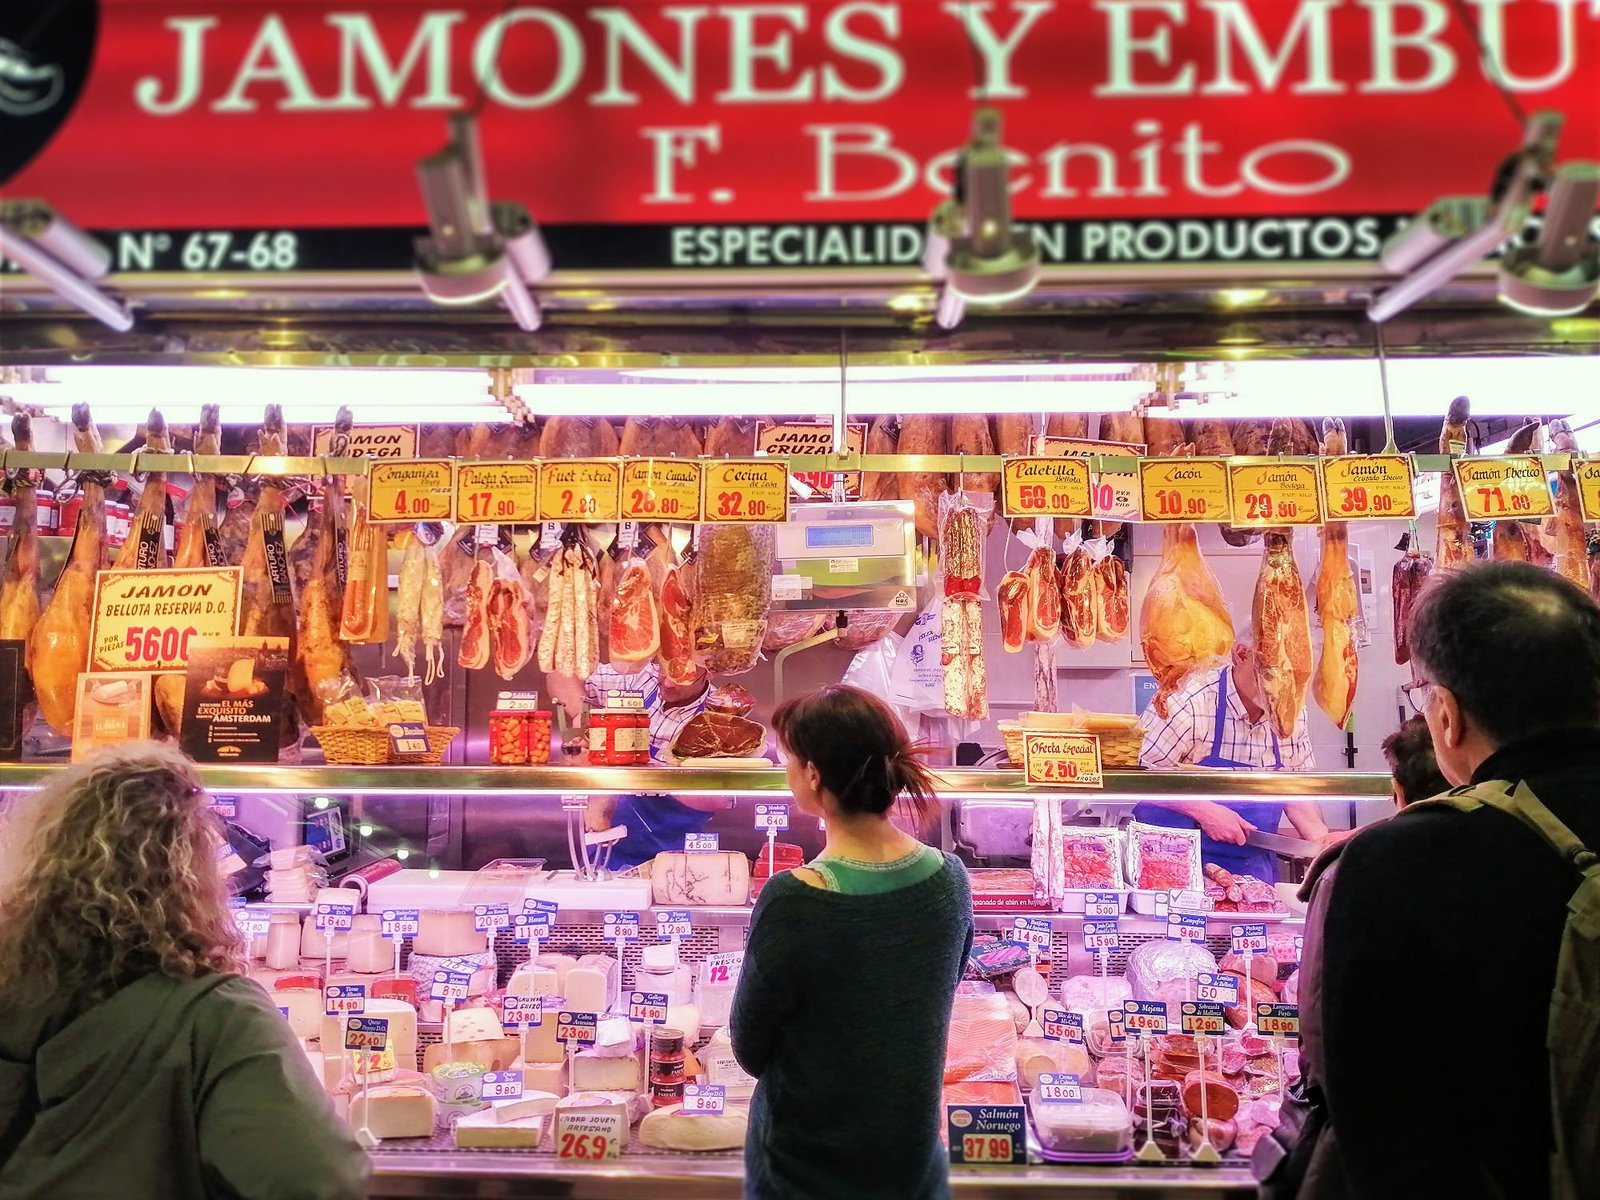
394, 1112
671, 1129
529, 1104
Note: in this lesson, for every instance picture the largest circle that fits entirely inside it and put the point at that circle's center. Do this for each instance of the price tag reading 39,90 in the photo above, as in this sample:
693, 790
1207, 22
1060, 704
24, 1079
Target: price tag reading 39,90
1372, 487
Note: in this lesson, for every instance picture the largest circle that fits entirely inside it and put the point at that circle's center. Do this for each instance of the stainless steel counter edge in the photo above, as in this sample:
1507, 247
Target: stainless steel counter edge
554, 781
679, 1177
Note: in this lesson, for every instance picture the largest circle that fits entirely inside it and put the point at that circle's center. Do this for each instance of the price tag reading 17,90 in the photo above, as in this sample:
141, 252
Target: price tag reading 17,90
1504, 488
580, 489
1183, 489
497, 493
661, 489
1062, 760
1368, 487
1045, 487
1278, 493
743, 491
414, 490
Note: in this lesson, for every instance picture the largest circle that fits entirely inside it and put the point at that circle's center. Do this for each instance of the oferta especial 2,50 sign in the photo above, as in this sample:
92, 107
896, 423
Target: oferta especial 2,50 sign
246, 137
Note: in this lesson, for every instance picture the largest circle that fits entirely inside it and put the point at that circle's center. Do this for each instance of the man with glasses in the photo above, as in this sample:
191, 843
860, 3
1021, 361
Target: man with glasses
1431, 953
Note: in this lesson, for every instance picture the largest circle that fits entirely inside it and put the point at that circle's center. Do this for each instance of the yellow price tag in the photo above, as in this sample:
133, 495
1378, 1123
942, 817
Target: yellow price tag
1062, 760
744, 491
143, 620
1504, 488
1587, 472
1045, 487
1368, 487
661, 489
497, 493
412, 490
579, 489
1183, 489
1274, 494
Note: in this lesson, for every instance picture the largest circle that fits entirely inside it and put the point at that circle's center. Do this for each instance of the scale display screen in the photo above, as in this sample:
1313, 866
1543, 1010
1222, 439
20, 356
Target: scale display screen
838, 537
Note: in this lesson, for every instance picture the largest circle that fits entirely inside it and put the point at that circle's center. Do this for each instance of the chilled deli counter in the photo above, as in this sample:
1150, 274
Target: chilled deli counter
1104, 949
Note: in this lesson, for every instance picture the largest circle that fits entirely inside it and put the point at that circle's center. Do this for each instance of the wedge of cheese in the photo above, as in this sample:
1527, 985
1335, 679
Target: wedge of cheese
472, 1025
593, 1072
394, 1112
529, 1104
484, 1131
671, 1128
443, 934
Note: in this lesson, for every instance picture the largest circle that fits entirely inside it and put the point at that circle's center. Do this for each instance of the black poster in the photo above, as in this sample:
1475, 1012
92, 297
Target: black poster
16, 695
232, 698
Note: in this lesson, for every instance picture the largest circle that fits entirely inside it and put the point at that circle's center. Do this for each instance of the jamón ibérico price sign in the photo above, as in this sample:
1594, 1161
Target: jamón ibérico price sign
745, 491
1183, 489
1045, 487
1368, 487
661, 489
1062, 760
414, 490
580, 489
1274, 494
145, 620
499, 493
1504, 488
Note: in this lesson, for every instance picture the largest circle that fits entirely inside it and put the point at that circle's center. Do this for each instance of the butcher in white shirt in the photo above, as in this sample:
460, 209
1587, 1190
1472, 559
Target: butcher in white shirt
1218, 720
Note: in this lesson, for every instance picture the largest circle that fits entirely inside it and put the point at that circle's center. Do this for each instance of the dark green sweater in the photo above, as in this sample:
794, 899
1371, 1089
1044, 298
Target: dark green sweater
842, 1014
173, 1089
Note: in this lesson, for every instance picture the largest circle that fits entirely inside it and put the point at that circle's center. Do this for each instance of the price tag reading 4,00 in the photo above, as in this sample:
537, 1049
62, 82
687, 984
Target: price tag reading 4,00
504, 493
1183, 489
416, 490
745, 491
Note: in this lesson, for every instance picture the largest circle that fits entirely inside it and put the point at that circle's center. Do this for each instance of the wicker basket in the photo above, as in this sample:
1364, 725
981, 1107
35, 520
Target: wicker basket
372, 747
1119, 750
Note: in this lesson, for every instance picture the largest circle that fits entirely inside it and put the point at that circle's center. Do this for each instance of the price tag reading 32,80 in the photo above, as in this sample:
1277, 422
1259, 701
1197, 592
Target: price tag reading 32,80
744, 491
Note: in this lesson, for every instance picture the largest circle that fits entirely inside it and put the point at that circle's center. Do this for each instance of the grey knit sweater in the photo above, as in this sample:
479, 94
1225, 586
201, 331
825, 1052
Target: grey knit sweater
842, 1013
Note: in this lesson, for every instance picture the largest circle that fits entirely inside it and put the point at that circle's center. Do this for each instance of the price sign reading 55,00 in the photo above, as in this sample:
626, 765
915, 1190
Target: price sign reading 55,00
747, 491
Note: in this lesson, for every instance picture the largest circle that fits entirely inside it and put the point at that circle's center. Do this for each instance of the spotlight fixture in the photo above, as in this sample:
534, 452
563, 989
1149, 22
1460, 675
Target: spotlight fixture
62, 257
476, 250
972, 244
1559, 274
1454, 233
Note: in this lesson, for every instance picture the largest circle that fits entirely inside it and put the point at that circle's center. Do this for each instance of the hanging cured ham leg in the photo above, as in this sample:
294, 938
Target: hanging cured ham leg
1184, 624
1454, 544
19, 580
1283, 623
59, 644
146, 547
321, 656
198, 546
1517, 541
1563, 532
266, 600
1335, 684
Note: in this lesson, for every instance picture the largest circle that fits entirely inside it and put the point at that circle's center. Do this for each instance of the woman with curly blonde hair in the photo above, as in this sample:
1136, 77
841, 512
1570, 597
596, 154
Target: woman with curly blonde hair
134, 1060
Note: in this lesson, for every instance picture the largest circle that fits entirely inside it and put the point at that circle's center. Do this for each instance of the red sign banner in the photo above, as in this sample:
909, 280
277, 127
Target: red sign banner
786, 135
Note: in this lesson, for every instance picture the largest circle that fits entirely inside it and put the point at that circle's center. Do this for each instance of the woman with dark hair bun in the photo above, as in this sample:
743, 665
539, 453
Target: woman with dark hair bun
850, 970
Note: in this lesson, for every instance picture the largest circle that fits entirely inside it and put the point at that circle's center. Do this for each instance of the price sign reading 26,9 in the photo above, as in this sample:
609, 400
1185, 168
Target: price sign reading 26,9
745, 491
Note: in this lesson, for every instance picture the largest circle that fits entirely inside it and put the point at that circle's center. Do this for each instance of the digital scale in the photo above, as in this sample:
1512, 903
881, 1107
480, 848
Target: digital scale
853, 555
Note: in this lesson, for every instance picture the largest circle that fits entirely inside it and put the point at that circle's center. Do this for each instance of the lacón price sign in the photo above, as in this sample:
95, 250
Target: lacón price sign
745, 491
145, 620
1183, 489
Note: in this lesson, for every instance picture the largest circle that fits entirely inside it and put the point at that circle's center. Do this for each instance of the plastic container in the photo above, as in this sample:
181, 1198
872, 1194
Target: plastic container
782, 856
519, 738
1100, 1125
